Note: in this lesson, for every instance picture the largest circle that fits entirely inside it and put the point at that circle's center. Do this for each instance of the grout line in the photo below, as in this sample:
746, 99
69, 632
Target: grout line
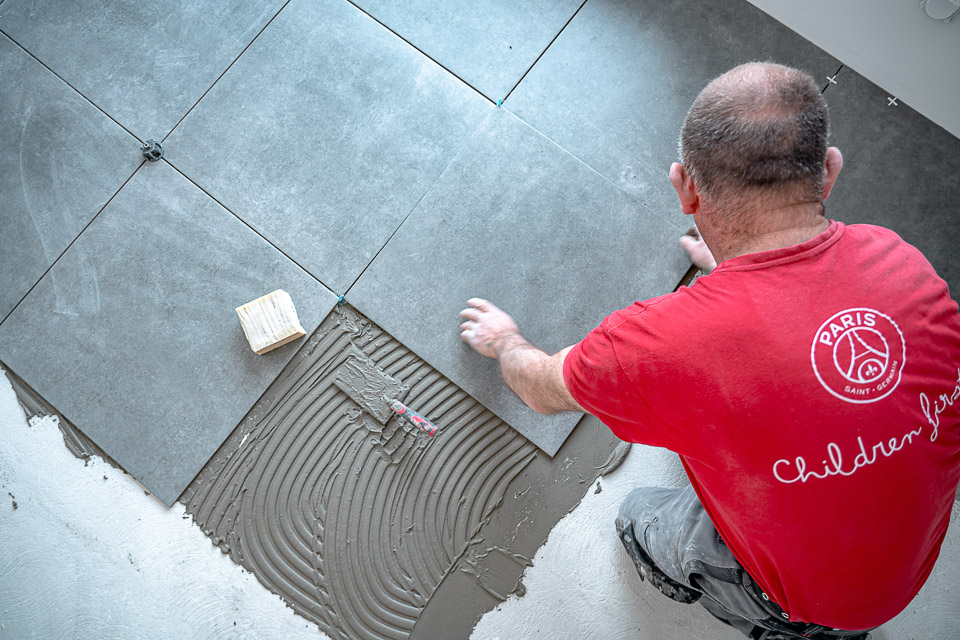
827, 86
421, 51
229, 66
562, 29
247, 224
79, 93
642, 204
419, 200
85, 227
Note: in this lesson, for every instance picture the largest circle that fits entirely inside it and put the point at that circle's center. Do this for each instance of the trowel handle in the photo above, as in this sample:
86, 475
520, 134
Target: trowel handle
418, 420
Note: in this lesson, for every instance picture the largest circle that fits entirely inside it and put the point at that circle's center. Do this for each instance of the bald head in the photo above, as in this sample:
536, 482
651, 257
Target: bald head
758, 129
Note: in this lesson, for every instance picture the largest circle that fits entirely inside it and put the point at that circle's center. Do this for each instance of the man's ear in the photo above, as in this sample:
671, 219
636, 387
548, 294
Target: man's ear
831, 169
686, 190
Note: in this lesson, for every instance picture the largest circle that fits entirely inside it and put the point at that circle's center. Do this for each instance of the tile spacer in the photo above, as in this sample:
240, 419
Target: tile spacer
892, 102
152, 150
832, 79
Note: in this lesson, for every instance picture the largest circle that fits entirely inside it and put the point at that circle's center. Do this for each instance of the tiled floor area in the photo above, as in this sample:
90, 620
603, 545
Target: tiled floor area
404, 155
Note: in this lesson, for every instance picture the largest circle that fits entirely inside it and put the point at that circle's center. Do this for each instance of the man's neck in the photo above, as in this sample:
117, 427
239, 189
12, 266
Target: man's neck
775, 228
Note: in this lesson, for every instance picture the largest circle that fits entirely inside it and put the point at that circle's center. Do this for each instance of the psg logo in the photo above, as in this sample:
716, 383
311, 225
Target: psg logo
858, 355
861, 354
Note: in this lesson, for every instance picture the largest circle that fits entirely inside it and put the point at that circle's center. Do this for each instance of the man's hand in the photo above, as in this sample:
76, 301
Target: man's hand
486, 328
698, 250
534, 376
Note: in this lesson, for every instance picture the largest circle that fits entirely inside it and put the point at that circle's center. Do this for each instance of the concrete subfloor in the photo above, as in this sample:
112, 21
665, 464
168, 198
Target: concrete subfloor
88, 554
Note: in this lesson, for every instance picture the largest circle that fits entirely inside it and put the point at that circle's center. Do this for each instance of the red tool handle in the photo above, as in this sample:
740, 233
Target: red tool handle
418, 420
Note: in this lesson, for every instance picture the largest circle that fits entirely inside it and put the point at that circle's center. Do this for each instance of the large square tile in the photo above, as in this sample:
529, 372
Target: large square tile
900, 171
490, 43
60, 161
154, 366
615, 86
518, 221
325, 134
144, 62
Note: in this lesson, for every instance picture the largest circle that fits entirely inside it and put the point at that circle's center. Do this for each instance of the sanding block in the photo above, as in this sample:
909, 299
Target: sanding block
270, 322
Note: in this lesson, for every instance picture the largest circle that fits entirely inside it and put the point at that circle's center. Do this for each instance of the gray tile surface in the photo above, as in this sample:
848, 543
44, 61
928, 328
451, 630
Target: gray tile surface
153, 366
488, 43
520, 222
325, 135
900, 171
615, 86
60, 161
145, 62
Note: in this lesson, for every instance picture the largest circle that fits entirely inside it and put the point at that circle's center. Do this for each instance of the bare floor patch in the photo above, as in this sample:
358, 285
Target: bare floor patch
87, 555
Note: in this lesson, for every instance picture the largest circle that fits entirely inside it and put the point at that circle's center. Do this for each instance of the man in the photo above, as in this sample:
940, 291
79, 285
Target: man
808, 383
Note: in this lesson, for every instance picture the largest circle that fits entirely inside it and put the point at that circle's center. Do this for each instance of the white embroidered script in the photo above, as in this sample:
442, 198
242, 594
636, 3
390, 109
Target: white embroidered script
932, 410
835, 464
796, 471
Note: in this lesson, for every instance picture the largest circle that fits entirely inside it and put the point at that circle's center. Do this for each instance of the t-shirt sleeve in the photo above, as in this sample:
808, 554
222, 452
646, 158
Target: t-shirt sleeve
595, 379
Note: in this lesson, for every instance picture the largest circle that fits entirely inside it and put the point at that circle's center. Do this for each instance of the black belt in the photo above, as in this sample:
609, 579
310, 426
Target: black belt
779, 619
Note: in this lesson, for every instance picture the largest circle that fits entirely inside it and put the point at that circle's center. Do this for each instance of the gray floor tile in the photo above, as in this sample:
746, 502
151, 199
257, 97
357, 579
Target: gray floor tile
60, 161
325, 134
900, 171
145, 62
516, 220
153, 366
615, 86
490, 43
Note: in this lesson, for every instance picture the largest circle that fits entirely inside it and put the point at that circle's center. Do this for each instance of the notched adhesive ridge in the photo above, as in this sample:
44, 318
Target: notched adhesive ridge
354, 521
494, 569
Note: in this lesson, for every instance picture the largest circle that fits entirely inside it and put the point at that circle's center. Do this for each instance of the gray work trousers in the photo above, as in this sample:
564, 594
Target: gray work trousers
673, 530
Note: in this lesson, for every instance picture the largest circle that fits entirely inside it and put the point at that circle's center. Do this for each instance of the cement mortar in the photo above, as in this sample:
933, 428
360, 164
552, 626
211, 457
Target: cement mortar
476, 545
356, 523
532, 505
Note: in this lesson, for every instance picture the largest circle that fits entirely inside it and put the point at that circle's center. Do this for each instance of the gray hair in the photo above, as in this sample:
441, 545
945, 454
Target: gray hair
758, 127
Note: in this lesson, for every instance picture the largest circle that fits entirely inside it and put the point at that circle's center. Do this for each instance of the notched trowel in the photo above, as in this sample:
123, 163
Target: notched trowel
376, 392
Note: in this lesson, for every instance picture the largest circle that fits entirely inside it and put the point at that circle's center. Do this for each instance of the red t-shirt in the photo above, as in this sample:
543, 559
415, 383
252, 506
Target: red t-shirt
810, 392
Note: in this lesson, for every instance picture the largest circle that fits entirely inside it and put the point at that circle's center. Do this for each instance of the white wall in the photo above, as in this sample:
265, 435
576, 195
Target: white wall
893, 43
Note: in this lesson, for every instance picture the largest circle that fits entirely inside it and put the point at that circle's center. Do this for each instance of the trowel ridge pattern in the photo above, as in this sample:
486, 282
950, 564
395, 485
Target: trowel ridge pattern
355, 523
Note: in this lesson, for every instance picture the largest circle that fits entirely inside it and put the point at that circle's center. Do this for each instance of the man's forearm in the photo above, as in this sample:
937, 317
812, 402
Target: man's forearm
531, 374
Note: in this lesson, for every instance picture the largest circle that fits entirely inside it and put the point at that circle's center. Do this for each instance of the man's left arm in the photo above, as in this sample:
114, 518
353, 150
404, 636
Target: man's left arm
535, 376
